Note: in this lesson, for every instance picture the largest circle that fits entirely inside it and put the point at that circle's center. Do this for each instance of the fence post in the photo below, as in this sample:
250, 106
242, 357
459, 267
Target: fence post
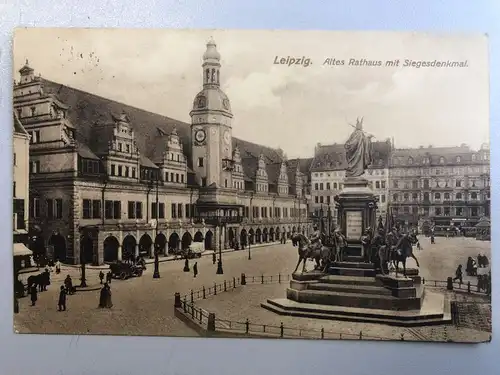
177, 300
204, 295
211, 322
247, 326
234, 282
243, 279
279, 278
201, 315
361, 335
423, 280
192, 296
281, 329
215, 289
449, 283
322, 333
225, 288
402, 337
262, 279
468, 286
184, 303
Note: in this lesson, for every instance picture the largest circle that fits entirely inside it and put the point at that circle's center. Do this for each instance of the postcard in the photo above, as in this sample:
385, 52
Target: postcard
252, 184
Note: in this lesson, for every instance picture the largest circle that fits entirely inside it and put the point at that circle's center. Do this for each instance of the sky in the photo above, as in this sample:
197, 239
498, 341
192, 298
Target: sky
291, 107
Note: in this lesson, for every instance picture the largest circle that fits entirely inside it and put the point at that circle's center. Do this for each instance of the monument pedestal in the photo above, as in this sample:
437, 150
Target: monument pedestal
353, 292
357, 208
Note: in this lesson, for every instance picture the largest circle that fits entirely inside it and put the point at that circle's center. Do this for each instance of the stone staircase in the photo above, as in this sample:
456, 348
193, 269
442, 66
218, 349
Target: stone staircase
352, 291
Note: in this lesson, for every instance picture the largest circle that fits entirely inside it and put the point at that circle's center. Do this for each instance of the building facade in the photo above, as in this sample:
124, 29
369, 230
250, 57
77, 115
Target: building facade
328, 173
440, 185
110, 181
20, 185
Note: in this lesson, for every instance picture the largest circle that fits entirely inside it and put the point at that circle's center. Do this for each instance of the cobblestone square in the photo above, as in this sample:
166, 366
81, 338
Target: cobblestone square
144, 306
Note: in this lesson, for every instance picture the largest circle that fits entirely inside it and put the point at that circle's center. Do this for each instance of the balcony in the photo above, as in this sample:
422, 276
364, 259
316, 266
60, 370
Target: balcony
218, 220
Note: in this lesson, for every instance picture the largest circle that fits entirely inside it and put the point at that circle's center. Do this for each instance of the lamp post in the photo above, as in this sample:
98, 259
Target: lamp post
220, 270
156, 273
83, 257
249, 238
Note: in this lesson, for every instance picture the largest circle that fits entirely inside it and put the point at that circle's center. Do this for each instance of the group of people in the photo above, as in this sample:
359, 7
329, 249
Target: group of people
472, 267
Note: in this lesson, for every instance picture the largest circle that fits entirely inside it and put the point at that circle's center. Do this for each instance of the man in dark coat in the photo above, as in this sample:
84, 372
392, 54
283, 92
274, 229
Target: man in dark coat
214, 258
109, 276
34, 295
195, 269
62, 299
101, 276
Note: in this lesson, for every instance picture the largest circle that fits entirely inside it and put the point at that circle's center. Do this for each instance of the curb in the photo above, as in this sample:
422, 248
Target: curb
88, 288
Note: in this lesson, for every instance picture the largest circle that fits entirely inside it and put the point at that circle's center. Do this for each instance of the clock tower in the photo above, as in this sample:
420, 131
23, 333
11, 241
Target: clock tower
211, 126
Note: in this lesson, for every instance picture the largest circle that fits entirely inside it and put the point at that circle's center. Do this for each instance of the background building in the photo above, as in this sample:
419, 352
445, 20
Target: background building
440, 185
328, 172
20, 193
110, 180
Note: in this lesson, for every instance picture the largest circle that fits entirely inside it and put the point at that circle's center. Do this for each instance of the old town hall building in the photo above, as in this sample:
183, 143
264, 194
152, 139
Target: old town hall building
108, 181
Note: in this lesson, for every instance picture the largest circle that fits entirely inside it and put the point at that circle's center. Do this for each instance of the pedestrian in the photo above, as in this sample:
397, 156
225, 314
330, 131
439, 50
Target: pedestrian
62, 299
68, 283
101, 276
109, 303
458, 274
34, 295
195, 269
214, 258
109, 276
186, 265
58, 267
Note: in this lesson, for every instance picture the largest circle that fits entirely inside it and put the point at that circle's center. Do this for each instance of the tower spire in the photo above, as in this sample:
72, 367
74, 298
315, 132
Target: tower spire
211, 65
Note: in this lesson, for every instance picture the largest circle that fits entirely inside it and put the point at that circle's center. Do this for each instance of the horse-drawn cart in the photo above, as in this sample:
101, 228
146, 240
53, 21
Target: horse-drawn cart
123, 271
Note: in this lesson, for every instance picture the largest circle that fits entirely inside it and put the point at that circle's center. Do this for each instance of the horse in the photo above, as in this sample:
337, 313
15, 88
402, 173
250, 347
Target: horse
402, 251
320, 254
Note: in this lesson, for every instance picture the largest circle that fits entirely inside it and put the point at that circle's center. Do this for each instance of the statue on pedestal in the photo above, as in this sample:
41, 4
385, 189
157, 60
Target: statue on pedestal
358, 151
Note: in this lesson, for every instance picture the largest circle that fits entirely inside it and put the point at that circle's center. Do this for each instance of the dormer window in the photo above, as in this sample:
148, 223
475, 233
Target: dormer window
441, 160
459, 159
33, 111
19, 112
127, 147
410, 160
473, 157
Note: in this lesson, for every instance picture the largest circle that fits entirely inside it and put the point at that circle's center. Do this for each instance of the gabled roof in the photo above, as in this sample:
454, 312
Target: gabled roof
86, 109
455, 155
17, 126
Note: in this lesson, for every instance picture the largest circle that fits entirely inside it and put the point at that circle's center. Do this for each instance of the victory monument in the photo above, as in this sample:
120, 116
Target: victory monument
352, 280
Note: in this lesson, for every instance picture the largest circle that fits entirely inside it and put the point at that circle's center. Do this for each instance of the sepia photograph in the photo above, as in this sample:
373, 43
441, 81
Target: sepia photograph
325, 185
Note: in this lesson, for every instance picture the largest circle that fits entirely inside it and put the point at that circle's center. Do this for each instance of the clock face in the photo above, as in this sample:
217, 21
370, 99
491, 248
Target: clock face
226, 137
225, 103
200, 135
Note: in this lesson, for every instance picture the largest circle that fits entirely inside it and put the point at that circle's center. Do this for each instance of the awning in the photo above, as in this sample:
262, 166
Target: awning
20, 249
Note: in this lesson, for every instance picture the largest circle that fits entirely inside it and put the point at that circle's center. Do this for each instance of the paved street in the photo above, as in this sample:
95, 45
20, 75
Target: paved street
144, 306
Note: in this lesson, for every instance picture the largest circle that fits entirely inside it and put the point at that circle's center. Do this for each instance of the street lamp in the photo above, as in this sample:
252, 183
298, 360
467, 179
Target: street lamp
249, 238
156, 272
220, 270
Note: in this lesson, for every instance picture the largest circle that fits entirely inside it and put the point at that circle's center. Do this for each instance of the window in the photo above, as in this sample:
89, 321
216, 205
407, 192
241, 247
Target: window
395, 184
50, 208
414, 184
335, 185
426, 184
187, 209
446, 196
459, 159
35, 208
447, 211
14, 189
204, 181
127, 147
395, 197
119, 146
182, 178
113, 170
58, 209
35, 167
200, 162
134, 210
316, 186
383, 184
321, 186
438, 211
171, 177
459, 211
405, 197
473, 196
321, 199
33, 111
458, 183
112, 209
126, 171
316, 199
120, 170
173, 211
327, 186
437, 196
133, 172
377, 184
414, 196
441, 160
179, 211
14, 159
459, 196
382, 198
34, 136
473, 157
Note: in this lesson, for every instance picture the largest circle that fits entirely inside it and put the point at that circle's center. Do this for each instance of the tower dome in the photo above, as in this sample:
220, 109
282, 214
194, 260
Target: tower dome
211, 53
